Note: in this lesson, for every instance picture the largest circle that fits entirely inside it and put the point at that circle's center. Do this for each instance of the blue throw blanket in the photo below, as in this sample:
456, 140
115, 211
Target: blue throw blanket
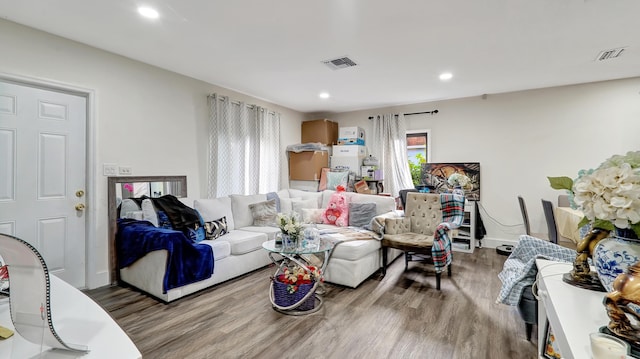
520, 269
187, 263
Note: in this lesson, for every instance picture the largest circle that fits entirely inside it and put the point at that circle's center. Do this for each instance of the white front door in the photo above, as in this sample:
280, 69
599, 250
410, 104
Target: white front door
42, 175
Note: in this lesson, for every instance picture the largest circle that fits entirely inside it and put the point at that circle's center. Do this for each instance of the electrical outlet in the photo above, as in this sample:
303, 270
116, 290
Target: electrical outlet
109, 169
125, 171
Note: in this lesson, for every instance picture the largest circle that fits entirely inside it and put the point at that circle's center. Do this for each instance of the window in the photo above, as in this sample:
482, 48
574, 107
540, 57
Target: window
418, 152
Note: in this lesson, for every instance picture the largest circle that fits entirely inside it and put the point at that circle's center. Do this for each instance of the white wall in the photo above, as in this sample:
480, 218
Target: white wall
520, 138
150, 119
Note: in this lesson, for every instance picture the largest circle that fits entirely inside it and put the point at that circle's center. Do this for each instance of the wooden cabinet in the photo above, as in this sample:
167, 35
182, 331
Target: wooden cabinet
465, 238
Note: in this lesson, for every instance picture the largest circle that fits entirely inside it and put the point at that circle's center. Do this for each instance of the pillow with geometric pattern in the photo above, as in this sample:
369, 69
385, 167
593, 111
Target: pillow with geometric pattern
215, 229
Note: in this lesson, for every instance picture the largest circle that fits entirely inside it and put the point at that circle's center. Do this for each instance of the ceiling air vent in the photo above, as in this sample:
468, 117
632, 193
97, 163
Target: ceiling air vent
340, 63
610, 54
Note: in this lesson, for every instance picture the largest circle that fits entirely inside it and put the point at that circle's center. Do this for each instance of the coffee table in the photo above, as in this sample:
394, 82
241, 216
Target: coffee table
302, 257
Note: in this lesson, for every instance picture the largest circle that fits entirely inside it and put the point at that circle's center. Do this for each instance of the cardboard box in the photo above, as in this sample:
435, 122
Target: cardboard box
322, 131
351, 132
352, 163
307, 165
350, 151
350, 141
362, 187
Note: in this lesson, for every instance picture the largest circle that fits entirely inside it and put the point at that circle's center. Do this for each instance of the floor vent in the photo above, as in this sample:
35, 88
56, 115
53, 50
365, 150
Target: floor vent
610, 54
339, 63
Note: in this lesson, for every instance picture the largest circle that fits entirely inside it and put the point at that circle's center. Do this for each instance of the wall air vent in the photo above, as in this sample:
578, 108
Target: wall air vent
610, 54
339, 63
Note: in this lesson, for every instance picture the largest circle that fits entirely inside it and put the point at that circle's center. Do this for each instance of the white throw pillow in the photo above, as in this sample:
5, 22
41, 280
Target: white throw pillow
312, 215
149, 212
299, 205
214, 209
286, 204
128, 206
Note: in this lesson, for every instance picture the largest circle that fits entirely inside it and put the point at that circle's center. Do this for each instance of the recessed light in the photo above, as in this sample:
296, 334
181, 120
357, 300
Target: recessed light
148, 12
324, 95
446, 76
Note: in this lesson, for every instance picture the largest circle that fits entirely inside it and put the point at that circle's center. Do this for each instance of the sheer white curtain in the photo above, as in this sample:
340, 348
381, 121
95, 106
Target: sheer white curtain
244, 148
389, 144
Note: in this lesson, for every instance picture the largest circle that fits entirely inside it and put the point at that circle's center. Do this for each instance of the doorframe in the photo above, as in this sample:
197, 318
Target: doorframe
93, 279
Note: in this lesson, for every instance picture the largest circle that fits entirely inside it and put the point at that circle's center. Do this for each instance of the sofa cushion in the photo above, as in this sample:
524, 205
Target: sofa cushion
221, 249
360, 214
306, 195
312, 215
268, 230
243, 241
242, 216
216, 208
298, 206
216, 229
286, 204
384, 204
354, 250
264, 213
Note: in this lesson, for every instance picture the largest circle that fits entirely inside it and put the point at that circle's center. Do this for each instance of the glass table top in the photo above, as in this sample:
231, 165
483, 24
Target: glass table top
323, 246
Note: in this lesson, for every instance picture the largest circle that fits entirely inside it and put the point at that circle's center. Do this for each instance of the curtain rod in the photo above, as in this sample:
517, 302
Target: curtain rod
249, 106
414, 113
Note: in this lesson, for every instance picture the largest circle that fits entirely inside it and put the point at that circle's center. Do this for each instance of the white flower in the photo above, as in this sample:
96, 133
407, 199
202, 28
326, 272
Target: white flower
610, 193
459, 180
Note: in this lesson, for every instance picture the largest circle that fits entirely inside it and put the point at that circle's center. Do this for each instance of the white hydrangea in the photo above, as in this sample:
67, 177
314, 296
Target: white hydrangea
611, 192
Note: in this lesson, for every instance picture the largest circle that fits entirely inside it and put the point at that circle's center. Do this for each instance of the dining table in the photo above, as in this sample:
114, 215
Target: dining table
567, 220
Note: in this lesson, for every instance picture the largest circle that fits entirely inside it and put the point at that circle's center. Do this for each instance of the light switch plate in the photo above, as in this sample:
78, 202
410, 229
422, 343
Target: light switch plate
125, 170
109, 169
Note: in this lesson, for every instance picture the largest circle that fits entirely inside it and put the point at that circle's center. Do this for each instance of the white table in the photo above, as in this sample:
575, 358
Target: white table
573, 312
78, 320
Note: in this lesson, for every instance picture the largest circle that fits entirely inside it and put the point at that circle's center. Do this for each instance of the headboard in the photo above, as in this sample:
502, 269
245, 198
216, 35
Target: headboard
152, 186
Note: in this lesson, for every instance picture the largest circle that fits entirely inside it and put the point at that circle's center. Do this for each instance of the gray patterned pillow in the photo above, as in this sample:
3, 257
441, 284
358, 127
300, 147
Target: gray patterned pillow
215, 229
360, 214
264, 213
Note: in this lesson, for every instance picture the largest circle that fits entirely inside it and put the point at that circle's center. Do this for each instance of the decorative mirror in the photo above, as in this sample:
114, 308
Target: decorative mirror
123, 187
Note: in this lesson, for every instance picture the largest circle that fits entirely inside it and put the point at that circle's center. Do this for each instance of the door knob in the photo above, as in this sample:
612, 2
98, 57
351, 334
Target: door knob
79, 207
79, 193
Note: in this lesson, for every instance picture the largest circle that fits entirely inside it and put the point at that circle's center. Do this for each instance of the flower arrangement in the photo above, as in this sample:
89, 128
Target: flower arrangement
289, 224
609, 196
296, 275
460, 180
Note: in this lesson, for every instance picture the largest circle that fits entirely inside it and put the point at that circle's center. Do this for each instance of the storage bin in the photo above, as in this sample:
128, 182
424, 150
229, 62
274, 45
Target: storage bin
352, 163
351, 151
350, 141
351, 132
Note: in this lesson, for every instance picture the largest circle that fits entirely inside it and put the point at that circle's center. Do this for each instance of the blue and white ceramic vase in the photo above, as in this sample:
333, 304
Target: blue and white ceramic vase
613, 255
458, 190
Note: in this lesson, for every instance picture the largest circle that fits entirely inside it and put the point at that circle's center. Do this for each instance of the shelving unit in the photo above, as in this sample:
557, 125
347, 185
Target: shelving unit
465, 239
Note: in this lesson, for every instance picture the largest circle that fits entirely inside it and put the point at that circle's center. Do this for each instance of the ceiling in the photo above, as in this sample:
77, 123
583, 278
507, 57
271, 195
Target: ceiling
274, 49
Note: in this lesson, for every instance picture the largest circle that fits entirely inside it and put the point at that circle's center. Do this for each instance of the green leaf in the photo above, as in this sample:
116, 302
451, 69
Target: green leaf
602, 224
561, 182
583, 222
636, 229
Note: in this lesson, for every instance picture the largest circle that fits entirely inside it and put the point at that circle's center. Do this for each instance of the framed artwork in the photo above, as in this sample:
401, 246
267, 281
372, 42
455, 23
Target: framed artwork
435, 176
550, 350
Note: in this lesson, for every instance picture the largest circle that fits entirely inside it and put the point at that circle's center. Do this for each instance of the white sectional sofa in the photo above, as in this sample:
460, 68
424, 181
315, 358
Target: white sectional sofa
240, 250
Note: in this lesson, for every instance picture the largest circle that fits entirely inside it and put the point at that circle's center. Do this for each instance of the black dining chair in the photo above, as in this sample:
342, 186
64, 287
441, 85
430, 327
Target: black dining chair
550, 217
525, 218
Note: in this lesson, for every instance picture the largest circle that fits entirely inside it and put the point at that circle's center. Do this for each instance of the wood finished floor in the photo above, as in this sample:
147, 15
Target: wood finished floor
399, 316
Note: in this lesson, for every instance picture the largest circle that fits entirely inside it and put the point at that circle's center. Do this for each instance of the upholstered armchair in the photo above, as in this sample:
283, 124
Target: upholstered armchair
424, 231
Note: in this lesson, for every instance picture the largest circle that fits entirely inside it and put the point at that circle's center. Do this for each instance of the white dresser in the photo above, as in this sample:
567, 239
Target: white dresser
573, 312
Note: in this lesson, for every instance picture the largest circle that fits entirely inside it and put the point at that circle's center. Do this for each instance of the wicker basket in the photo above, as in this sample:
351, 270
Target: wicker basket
283, 298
